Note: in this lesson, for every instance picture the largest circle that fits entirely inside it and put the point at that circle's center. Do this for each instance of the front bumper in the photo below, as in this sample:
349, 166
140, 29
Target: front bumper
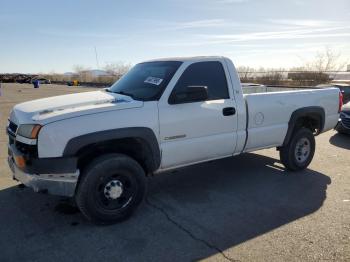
340, 127
62, 184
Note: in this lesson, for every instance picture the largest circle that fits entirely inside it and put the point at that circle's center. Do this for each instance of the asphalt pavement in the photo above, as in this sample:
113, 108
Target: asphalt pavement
245, 208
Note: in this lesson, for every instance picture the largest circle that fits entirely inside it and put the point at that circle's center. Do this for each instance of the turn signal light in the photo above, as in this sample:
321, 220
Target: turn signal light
20, 161
35, 131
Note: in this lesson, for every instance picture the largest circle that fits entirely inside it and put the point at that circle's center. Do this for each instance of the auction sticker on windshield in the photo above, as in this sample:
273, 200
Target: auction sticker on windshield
153, 80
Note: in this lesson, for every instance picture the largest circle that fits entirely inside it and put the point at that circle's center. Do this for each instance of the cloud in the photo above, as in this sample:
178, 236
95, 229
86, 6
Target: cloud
257, 37
303, 22
231, 1
207, 23
201, 23
286, 34
74, 33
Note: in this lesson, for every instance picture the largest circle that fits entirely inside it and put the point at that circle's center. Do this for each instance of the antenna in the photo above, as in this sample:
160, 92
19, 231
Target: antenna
98, 66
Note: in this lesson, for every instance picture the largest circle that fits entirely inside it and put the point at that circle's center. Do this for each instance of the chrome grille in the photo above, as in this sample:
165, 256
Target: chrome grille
345, 119
12, 128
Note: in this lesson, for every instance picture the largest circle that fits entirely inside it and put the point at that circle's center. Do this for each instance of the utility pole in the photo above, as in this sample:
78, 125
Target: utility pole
97, 64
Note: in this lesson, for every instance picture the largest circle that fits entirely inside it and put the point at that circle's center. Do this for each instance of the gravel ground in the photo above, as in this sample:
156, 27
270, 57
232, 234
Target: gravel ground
246, 208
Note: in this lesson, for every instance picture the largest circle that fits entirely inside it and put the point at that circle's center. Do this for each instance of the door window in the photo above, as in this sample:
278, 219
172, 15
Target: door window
207, 74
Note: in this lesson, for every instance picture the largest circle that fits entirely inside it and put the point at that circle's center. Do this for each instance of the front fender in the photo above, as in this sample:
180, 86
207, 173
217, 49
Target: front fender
143, 133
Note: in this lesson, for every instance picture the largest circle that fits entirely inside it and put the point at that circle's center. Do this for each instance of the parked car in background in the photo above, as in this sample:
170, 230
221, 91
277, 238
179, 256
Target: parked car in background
344, 88
343, 125
41, 80
73, 83
24, 80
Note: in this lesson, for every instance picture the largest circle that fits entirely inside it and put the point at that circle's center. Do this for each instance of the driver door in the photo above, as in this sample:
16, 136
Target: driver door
194, 128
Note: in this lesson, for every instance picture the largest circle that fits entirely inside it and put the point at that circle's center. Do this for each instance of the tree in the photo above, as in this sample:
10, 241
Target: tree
326, 61
246, 73
270, 76
79, 68
118, 69
84, 74
320, 69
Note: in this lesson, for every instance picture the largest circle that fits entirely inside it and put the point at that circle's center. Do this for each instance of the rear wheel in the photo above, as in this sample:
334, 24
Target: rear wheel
111, 187
298, 153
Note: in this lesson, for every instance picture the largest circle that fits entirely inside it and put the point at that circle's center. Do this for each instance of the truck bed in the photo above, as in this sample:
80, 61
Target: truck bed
268, 89
268, 113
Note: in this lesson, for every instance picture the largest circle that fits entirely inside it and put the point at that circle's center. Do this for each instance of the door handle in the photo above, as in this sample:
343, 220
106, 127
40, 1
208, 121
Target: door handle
228, 111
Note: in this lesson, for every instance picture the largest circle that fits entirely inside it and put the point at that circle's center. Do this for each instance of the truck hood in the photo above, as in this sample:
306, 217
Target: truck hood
56, 108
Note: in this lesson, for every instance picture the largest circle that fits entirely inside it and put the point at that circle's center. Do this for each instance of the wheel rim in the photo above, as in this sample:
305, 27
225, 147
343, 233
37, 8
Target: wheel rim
113, 189
115, 192
302, 150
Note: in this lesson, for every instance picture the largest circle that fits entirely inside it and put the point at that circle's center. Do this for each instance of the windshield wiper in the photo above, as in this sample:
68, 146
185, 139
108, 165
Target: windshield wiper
126, 94
122, 93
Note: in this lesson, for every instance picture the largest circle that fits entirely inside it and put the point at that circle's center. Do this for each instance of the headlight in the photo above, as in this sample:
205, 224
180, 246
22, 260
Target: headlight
29, 131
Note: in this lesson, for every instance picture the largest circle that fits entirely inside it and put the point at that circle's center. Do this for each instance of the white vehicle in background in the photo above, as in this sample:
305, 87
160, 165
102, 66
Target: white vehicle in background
98, 147
251, 88
251, 85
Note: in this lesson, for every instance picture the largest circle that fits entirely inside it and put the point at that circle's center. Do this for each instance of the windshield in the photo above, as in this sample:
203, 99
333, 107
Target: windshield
146, 81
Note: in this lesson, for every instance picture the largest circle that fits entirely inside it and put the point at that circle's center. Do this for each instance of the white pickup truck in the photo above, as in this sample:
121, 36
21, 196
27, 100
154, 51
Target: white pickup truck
99, 146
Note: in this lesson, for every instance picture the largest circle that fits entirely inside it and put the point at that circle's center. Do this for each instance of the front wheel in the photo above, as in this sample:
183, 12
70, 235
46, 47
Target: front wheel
298, 153
110, 189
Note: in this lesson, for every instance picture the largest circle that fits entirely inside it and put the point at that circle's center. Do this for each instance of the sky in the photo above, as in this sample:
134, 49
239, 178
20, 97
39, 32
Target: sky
52, 36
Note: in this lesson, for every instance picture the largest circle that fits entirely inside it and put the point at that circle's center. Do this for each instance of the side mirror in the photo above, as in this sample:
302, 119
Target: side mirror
189, 94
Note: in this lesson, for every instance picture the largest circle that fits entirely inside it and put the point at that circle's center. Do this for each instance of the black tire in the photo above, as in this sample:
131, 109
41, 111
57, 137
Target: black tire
293, 155
122, 177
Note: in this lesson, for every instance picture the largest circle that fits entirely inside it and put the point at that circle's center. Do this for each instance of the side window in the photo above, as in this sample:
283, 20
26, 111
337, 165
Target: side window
208, 74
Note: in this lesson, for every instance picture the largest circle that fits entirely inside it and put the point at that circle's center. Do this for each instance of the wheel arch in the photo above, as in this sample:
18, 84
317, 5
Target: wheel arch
312, 117
139, 143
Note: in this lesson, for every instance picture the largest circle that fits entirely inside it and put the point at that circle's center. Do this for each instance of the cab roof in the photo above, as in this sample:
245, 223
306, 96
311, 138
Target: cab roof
184, 59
